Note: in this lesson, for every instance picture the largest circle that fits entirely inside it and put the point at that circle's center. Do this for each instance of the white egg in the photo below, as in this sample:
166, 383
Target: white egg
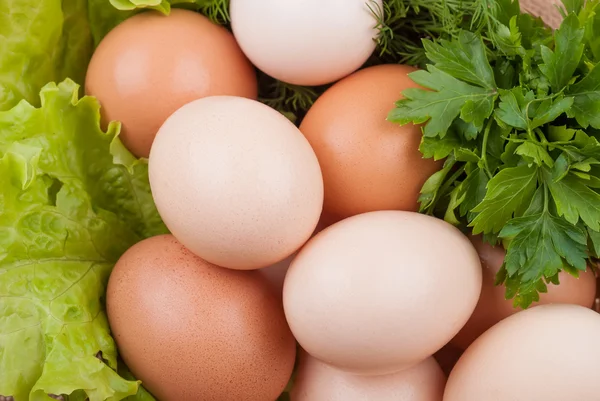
306, 42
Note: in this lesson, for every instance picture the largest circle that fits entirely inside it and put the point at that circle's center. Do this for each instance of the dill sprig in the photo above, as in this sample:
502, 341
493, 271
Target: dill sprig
291, 100
216, 10
403, 24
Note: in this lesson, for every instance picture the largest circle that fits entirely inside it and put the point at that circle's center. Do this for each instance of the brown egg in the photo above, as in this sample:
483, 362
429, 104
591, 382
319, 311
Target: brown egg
368, 162
546, 353
317, 381
151, 64
194, 331
493, 305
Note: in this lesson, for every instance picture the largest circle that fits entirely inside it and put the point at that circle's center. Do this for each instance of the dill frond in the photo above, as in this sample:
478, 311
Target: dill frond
216, 10
291, 100
403, 24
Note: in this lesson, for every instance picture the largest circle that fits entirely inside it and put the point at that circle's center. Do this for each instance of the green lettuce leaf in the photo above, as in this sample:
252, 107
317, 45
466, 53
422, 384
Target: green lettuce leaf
106, 14
72, 200
41, 41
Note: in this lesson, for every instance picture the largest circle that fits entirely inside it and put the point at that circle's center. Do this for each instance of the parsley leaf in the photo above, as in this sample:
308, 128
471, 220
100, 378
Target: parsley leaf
540, 246
586, 95
535, 153
509, 193
442, 106
465, 59
595, 242
560, 64
575, 200
509, 109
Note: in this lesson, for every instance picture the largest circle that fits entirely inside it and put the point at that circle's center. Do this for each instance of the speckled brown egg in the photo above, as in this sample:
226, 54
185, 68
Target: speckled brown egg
317, 381
493, 305
152, 64
368, 163
193, 331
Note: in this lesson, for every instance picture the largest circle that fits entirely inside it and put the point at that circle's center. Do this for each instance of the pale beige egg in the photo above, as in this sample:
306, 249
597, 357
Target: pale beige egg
317, 381
236, 182
370, 294
546, 353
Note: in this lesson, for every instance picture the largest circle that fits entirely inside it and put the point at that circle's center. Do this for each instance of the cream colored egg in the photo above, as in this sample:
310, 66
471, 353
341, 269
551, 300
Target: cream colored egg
546, 353
382, 291
317, 381
306, 42
235, 182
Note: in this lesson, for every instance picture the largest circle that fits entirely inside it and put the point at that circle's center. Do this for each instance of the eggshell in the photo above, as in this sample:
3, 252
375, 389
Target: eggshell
194, 331
368, 163
382, 291
317, 381
305, 42
151, 64
236, 182
493, 305
546, 353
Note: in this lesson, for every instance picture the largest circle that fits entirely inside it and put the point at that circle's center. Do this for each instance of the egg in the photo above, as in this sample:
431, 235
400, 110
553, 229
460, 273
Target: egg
317, 381
236, 182
306, 42
382, 291
151, 64
546, 353
368, 163
493, 305
193, 331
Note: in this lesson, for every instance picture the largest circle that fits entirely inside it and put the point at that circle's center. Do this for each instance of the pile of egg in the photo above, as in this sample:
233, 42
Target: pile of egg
297, 257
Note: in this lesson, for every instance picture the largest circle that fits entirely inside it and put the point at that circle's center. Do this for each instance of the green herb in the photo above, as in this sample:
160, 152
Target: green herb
402, 24
41, 41
515, 114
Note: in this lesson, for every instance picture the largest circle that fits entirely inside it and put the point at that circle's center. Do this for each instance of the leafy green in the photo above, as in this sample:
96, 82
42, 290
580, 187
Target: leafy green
508, 194
514, 112
451, 98
560, 64
586, 95
540, 246
61, 233
467, 61
41, 41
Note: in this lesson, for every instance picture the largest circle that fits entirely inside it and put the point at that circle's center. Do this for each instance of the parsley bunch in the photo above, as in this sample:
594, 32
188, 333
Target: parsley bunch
516, 116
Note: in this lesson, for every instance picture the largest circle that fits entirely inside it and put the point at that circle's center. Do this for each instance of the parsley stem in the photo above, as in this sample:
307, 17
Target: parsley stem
546, 201
450, 181
486, 136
